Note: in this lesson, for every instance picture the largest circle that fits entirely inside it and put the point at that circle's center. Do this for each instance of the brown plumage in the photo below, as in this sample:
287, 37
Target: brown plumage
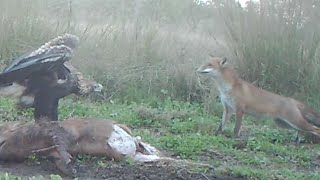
78, 85
82, 85
35, 72
40, 79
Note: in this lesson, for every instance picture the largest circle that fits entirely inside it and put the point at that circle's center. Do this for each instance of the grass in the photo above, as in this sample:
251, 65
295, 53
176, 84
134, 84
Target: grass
267, 153
148, 55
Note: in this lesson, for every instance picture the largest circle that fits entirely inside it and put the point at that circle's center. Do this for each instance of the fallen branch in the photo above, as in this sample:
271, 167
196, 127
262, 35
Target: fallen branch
45, 149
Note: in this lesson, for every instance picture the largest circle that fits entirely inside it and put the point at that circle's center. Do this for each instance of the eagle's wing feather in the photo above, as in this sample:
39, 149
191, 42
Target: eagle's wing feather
54, 57
49, 56
17, 61
62, 44
20, 73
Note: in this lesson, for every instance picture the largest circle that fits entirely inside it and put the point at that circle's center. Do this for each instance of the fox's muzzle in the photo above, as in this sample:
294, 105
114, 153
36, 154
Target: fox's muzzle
202, 71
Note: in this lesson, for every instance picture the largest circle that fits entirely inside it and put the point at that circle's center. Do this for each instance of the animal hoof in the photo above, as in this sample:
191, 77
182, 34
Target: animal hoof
67, 169
74, 172
298, 140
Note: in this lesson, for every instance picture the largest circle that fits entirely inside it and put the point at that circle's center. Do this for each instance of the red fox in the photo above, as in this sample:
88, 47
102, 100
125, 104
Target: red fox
239, 97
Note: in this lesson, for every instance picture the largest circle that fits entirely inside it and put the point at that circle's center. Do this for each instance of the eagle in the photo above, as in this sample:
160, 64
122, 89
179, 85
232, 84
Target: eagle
40, 78
43, 76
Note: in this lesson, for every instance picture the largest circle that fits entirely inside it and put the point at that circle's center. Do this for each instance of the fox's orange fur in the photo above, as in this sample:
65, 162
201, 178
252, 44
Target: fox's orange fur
240, 97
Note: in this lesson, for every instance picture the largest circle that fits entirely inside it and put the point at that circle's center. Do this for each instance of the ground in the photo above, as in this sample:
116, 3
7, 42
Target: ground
110, 171
182, 131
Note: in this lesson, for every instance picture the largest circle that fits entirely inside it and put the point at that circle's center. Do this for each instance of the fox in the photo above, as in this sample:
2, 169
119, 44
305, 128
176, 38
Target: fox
240, 97
92, 136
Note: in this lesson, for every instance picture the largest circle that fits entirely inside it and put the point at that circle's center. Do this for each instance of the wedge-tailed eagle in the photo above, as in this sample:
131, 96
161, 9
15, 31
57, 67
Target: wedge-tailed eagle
40, 78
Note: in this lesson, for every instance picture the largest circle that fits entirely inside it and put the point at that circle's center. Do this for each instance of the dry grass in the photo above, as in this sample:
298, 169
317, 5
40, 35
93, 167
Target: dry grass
148, 51
134, 61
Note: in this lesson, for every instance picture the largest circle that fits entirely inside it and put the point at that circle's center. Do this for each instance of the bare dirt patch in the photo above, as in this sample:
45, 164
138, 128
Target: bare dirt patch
112, 171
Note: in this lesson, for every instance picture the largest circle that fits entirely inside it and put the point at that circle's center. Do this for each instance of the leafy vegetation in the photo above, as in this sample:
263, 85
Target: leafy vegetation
266, 152
145, 52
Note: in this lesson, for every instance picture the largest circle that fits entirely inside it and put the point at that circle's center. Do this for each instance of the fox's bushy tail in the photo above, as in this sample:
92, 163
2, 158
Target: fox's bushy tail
313, 118
310, 115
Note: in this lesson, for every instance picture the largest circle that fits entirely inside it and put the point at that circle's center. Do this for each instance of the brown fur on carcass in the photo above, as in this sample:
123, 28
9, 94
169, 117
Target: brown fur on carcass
19, 140
84, 136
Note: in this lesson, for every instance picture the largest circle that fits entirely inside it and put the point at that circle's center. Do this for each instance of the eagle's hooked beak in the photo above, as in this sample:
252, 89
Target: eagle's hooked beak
97, 87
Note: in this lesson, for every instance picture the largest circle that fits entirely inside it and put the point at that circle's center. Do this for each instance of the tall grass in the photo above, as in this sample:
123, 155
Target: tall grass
147, 50
277, 45
135, 60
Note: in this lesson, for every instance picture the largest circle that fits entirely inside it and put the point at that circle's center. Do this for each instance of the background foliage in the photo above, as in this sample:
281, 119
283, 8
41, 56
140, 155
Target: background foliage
142, 49
145, 53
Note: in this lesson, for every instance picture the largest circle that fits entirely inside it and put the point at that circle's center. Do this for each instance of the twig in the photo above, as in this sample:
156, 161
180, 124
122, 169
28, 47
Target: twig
44, 149
205, 176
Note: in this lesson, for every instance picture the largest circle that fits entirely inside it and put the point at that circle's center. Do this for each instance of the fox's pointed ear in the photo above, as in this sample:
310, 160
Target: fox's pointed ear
224, 60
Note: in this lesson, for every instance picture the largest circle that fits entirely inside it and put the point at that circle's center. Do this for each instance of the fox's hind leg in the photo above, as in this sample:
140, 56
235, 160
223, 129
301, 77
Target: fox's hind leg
227, 113
299, 139
239, 115
283, 124
301, 124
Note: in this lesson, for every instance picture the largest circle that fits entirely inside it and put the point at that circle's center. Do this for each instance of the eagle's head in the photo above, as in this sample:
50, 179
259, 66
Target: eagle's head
86, 86
80, 84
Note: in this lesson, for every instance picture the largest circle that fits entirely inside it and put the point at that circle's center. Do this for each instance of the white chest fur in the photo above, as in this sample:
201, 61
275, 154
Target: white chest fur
225, 95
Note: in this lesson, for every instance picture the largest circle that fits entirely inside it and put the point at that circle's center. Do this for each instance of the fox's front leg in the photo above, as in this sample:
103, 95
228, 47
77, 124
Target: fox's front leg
239, 115
227, 113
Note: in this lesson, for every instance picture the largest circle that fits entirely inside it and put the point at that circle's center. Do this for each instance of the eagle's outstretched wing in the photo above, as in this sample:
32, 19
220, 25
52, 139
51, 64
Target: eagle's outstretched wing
21, 72
49, 56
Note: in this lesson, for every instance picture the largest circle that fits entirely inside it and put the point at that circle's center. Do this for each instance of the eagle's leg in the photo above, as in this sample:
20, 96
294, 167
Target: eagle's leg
46, 115
59, 138
48, 92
